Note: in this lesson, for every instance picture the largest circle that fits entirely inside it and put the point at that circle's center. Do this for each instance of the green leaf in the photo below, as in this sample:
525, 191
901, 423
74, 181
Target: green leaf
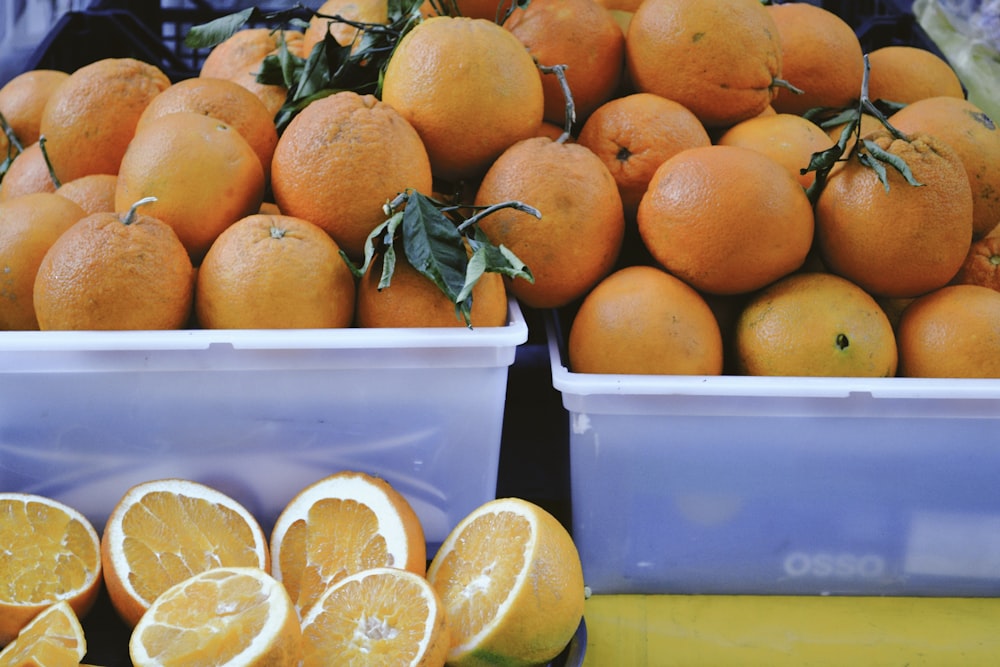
433, 246
895, 161
499, 259
215, 32
869, 161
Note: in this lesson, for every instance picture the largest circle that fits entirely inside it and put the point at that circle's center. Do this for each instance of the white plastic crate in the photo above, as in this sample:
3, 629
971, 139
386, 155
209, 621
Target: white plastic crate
751, 485
257, 414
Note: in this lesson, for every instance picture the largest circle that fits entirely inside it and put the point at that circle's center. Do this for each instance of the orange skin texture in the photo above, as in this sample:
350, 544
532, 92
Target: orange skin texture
23, 99
789, 139
94, 193
28, 173
905, 74
982, 264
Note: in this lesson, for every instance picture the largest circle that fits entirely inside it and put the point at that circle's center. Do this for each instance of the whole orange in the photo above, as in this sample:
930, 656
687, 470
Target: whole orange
341, 159
719, 58
580, 34
821, 56
726, 219
788, 138
94, 193
635, 134
203, 173
814, 324
579, 236
904, 242
642, 320
27, 173
469, 87
982, 264
90, 118
274, 272
904, 74
951, 332
115, 271
29, 225
23, 99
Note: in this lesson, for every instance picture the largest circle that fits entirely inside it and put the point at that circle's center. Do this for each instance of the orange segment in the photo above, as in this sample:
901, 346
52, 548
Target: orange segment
54, 638
378, 616
164, 531
512, 585
340, 525
51, 553
223, 616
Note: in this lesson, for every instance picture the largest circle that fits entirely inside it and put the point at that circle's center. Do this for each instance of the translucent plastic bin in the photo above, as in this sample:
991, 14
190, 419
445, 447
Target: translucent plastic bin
743, 485
257, 414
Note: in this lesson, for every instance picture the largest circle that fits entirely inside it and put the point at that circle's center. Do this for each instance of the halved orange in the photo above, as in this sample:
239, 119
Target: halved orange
342, 524
50, 553
54, 638
164, 531
381, 616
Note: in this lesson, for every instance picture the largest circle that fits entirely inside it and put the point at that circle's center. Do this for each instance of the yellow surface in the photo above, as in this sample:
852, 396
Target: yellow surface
718, 631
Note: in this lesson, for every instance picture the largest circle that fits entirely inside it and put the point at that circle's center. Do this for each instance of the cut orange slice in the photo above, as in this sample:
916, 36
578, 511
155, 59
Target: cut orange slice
381, 616
164, 531
54, 638
342, 524
223, 617
511, 581
49, 552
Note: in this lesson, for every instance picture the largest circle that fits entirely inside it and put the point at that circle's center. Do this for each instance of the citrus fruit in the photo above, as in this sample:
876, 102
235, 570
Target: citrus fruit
635, 134
27, 174
224, 617
579, 236
466, 116
53, 637
951, 332
94, 193
820, 55
726, 219
583, 36
787, 138
642, 320
344, 523
904, 242
511, 582
114, 271
982, 264
904, 74
29, 225
815, 324
274, 272
972, 134
51, 554
321, 25
491, 10
164, 531
379, 616
719, 58
90, 118
203, 173
341, 159
23, 99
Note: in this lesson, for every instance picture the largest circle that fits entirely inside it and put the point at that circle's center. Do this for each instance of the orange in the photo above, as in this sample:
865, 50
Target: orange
642, 320
952, 332
164, 531
28, 173
726, 219
114, 271
468, 115
53, 637
583, 36
223, 100
91, 117
225, 617
94, 193
814, 324
413, 300
23, 98
904, 74
511, 582
29, 225
203, 173
51, 554
821, 56
362, 11
274, 272
866, 126
904, 242
635, 134
339, 525
789, 139
341, 159
719, 58
579, 236
971, 133
382, 616
982, 264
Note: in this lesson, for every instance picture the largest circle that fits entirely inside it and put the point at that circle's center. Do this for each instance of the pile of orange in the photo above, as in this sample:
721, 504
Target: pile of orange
678, 135
343, 577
